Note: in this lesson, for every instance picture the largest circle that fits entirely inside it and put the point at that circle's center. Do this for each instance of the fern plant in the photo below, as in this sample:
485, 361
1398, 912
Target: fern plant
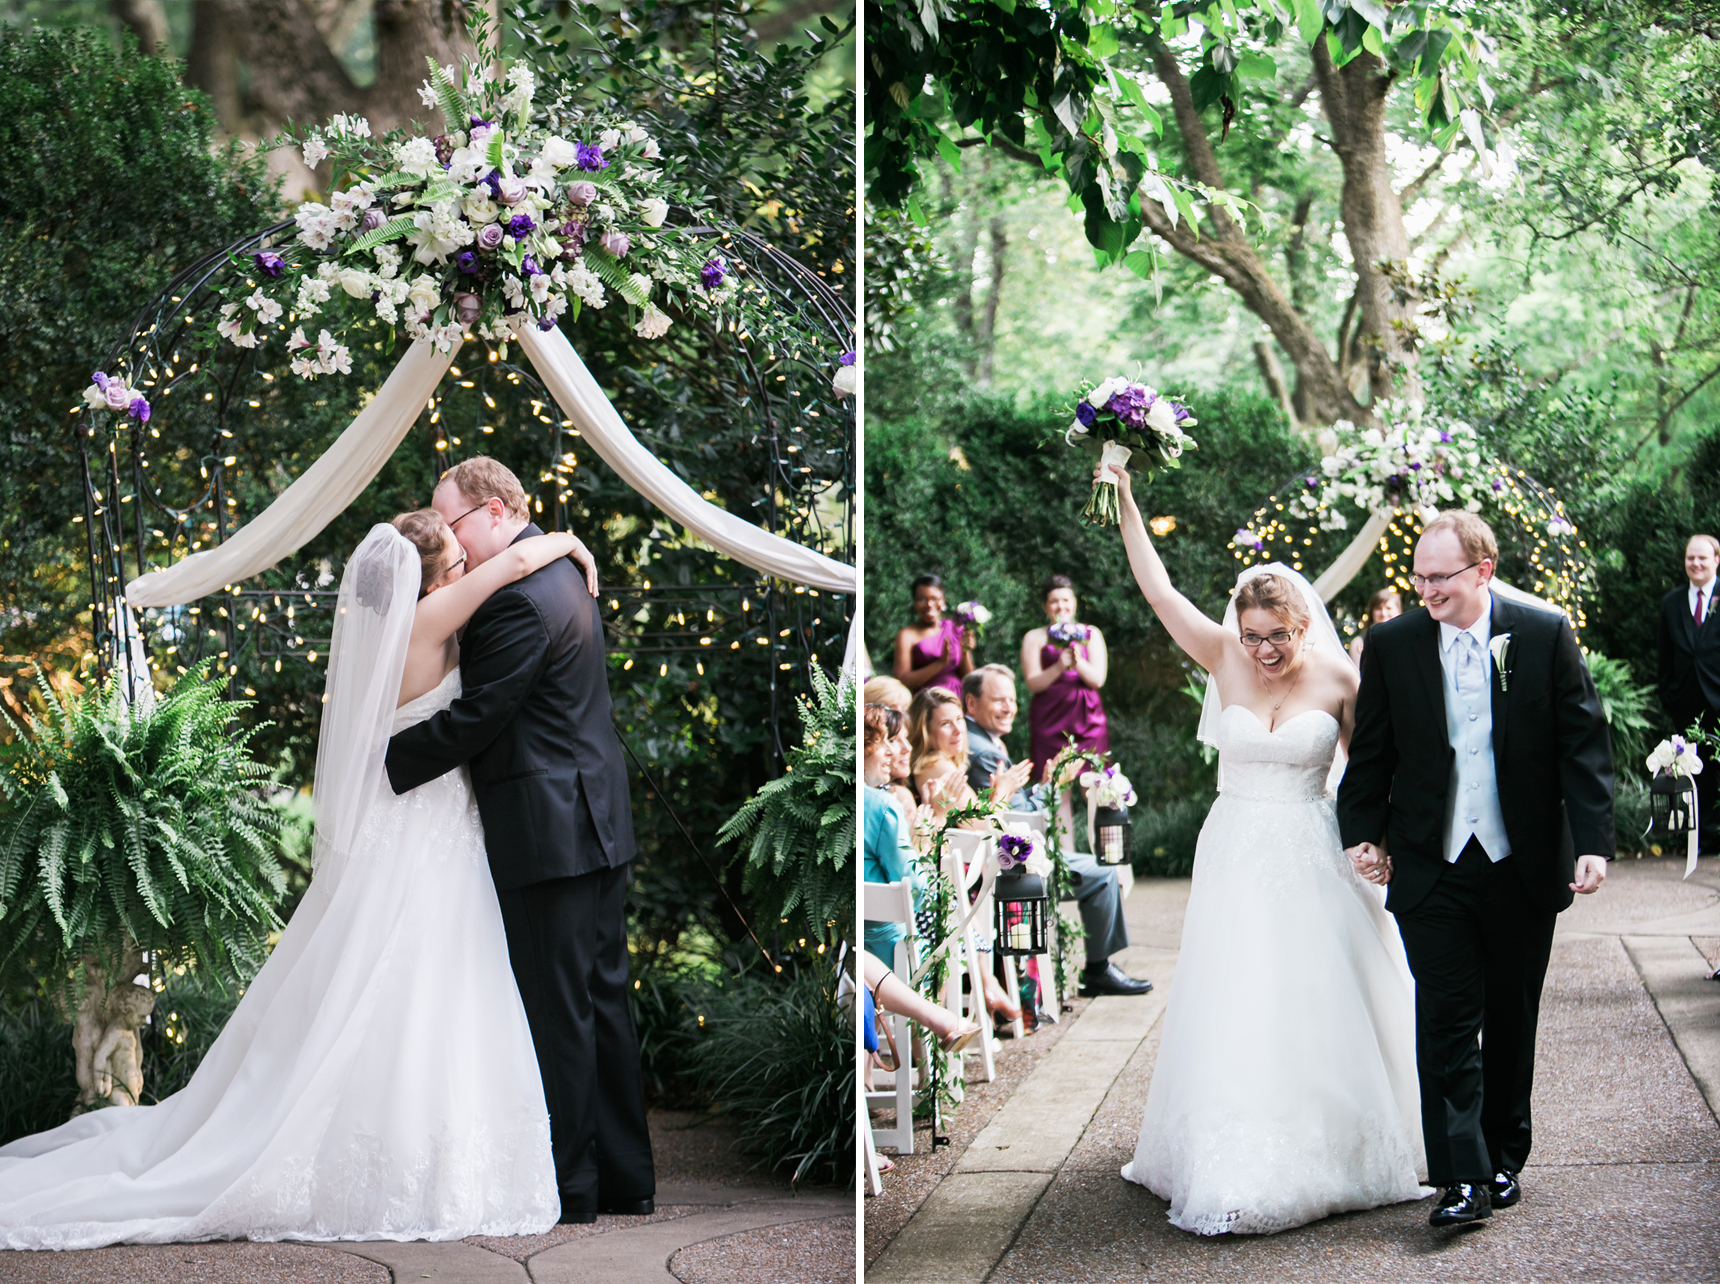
1626, 704
123, 831
802, 823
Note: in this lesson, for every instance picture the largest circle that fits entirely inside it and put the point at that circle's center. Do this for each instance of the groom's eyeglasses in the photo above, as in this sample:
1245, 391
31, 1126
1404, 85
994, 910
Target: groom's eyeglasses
463, 516
1440, 581
1280, 638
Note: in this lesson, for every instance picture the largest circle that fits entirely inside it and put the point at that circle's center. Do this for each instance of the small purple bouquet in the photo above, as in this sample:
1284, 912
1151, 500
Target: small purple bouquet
1018, 847
972, 616
1121, 419
1066, 633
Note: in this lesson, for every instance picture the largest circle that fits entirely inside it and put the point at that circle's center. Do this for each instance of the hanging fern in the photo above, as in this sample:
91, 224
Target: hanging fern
118, 826
802, 823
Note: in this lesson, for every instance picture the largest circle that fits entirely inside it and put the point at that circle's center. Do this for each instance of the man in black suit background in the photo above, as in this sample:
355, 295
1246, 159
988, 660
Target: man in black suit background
1479, 791
533, 722
1689, 672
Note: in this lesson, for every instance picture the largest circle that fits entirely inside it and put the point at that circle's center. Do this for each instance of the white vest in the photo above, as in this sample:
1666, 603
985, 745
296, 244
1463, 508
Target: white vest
1472, 804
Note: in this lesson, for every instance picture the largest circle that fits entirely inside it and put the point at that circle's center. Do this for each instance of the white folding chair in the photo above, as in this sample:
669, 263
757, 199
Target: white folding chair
970, 863
894, 903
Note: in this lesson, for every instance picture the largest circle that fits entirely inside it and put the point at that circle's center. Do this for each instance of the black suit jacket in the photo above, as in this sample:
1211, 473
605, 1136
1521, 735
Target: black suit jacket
534, 722
1552, 754
1689, 671
987, 757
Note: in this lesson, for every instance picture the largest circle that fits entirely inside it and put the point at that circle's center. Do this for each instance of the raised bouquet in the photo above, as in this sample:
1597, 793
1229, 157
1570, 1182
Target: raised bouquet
1122, 420
1414, 461
972, 616
1066, 633
499, 219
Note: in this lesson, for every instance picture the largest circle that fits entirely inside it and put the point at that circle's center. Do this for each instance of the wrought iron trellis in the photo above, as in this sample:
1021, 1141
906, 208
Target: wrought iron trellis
171, 348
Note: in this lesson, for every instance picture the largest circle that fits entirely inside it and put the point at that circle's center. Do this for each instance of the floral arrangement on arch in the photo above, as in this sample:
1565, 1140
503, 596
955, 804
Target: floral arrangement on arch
494, 221
1413, 462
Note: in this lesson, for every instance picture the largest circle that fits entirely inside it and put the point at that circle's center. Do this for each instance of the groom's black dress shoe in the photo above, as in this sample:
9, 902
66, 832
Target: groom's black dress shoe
1504, 1190
629, 1207
577, 1215
1111, 979
1461, 1205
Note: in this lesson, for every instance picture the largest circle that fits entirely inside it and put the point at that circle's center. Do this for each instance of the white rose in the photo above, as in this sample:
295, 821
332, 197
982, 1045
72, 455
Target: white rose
1163, 419
356, 282
653, 325
423, 294
654, 211
846, 381
559, 152
479, 208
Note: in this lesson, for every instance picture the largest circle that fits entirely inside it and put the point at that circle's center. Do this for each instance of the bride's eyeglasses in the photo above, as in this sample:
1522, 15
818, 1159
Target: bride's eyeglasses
1280, 638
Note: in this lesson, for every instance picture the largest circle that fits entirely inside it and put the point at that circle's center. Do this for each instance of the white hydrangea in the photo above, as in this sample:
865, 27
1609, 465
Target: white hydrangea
583, 282
521, 86
653, 325
417, 156
313, 293
387, 261
316, 225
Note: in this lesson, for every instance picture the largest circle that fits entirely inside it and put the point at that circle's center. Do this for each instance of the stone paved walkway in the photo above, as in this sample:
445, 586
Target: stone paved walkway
1624, 1183
716, 1223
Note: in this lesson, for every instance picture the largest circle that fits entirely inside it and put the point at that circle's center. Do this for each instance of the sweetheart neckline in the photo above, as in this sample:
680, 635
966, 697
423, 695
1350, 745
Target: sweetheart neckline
1272, 731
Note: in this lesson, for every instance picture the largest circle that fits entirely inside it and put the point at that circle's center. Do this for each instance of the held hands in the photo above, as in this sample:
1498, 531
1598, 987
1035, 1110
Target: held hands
1371, 862
1591, 873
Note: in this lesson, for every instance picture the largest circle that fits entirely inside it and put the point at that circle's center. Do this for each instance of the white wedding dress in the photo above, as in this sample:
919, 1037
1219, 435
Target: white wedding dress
377, 1080
1285, 1087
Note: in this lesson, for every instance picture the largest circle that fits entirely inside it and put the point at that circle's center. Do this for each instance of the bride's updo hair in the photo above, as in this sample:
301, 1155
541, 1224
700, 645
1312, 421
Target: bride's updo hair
429, 535
1274, 593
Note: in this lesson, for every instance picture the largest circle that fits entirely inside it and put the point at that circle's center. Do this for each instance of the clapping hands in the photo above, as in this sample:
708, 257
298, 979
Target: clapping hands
1007, 780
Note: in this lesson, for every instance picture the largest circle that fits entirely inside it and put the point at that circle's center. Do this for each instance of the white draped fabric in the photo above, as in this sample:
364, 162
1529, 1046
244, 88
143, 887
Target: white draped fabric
320, 495
1349, 563
329, 485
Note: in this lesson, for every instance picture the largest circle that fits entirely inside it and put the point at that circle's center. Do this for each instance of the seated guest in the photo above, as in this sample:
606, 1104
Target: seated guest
888, 856
939, 772
1382, 606
888, 691
989, 694
934, 652
898, 760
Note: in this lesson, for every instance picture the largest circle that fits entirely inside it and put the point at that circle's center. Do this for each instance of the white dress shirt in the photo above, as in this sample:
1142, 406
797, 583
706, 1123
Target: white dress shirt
1707, 591
1472, 804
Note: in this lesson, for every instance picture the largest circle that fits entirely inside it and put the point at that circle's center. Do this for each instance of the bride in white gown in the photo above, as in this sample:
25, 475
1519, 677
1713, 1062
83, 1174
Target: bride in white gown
1285, 1086
377, 1080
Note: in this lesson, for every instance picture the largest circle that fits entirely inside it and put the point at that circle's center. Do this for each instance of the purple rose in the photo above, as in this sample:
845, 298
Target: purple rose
520, 224
490, 236
467, 262
846, 359
115, 394
476, 123
511, 191
616, 243
372, 220
529, 266
467, 308
581, 193
493, 180
1013, 850
546, 323
713, 272
1085, 413
589, 157
100, 379
139, 410
269, 263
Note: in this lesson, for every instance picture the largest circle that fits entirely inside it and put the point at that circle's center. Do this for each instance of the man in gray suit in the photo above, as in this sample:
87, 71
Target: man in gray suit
988, 699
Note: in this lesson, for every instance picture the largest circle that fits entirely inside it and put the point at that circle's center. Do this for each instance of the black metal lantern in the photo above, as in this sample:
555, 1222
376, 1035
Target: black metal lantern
1111, 836
1673, 801
1021, 909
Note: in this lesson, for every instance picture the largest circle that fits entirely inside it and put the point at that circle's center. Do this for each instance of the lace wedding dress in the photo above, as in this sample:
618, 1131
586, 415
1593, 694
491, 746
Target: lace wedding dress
377, 1080
1285, 1088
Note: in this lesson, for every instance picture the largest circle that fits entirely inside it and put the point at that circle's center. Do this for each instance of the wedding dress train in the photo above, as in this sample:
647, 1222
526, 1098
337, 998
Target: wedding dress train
1285, 1087
377, 1080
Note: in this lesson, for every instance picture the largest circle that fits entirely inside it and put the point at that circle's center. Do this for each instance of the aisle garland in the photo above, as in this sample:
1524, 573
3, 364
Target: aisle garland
1061, 885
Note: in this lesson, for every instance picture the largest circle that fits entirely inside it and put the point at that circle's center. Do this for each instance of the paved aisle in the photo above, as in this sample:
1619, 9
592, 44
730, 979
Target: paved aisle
1624, 1182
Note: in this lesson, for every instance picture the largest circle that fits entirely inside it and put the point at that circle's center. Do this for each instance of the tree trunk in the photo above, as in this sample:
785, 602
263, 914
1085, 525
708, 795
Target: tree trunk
408, 32
1272, 375
987, 336
1354, 98
146, 19
212, 63
1321, 396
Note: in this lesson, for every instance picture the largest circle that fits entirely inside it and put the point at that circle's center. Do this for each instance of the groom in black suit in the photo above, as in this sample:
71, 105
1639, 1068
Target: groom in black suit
533, 722
1479, 791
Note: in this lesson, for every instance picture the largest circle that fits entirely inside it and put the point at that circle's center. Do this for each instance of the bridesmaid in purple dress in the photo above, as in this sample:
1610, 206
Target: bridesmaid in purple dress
933, 652
1064, 681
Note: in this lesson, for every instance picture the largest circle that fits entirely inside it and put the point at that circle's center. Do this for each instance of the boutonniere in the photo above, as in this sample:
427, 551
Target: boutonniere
1499, 647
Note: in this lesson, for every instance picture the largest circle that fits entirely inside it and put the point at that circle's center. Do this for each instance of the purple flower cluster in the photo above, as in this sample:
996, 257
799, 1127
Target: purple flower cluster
589, 157
269, 263
520, 224
1068, 633
1013, 850
114, 391
1131, 405
713, 272
1085, 413
467, 262
1248, 539
846, 359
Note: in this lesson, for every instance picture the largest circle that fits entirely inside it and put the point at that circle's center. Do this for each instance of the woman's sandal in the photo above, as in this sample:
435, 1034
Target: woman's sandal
959, 1038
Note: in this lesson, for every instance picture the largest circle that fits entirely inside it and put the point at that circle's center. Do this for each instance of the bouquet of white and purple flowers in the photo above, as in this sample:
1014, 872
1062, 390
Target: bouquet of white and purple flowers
1110, 787
1066, 633
498, 220
1412, 461
972, 616
1675, 757
1019, 847
1121, 419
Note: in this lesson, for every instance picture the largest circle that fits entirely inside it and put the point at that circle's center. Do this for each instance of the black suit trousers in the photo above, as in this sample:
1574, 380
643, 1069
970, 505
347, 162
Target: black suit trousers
567, 941
1478, 948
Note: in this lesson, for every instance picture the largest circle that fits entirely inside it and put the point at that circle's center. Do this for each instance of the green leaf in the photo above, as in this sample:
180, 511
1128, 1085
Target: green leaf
1256, 66
389, 231
1102, 40
1143, 263
1310, 22
456, 114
